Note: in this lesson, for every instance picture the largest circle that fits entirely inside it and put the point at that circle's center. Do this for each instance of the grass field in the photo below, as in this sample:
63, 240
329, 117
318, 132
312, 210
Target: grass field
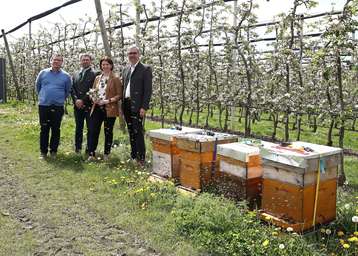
66, 206
264, 127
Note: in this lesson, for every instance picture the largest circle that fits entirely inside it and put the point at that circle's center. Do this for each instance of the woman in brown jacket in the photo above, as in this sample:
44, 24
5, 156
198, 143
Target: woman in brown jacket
109, 90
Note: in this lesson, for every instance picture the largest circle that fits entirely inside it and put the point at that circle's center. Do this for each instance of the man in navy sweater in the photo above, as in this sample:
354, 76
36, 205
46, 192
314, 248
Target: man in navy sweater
53, 85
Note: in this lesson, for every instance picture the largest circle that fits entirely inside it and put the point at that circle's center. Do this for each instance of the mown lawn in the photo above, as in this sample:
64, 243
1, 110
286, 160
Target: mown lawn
72, 201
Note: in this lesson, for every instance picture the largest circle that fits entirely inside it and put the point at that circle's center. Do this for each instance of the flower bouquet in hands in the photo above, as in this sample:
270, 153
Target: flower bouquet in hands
93, 93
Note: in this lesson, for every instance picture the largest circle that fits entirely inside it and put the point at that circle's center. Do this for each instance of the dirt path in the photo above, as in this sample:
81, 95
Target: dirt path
64, 227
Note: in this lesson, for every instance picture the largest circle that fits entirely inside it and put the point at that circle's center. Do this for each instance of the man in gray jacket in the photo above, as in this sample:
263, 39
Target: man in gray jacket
82, 82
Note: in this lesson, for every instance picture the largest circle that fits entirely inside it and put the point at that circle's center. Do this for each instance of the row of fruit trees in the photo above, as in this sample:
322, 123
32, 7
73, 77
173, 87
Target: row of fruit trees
209, 57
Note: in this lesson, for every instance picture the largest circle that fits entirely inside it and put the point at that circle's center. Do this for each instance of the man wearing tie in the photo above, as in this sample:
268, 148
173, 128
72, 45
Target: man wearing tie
137, 81
82, 82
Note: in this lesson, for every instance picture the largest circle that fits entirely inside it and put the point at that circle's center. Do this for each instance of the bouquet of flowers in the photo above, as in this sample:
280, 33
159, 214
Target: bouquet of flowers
93, 93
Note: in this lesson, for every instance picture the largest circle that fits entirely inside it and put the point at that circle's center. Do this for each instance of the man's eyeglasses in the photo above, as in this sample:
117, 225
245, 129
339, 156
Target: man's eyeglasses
132, 53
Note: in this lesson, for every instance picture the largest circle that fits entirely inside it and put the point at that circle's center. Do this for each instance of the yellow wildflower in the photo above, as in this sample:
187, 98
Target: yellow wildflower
353, 239
266, 243
340, 233
346, 246
274, 233
342, 242
356, 233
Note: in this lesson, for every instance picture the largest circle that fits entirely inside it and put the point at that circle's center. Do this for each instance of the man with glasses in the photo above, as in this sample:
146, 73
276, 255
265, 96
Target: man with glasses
53, 85
82, 82
137, 81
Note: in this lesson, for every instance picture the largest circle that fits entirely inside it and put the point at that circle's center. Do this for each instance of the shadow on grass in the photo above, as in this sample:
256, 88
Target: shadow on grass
64, 161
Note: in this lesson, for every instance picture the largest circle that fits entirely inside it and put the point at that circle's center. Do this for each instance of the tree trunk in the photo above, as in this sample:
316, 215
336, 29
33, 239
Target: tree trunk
103, 28
329, 134
226, 118
299, 121
275, 124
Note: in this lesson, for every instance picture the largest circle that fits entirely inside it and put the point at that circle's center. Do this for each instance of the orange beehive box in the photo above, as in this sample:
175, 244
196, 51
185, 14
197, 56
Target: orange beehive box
198, 157
299, 184
165, 152
240, 172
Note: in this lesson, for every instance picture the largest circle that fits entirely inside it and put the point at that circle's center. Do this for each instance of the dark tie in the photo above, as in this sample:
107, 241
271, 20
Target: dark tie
128, 76
81, 75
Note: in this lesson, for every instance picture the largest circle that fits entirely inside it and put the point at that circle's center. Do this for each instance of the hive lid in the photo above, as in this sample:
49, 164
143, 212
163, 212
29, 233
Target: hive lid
206, 136
169, 133
238, 151
297, 154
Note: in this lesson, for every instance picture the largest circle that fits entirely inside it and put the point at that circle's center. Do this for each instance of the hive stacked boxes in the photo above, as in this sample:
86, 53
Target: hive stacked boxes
198, 159
240, 172
165, 152
295, 185
291, 176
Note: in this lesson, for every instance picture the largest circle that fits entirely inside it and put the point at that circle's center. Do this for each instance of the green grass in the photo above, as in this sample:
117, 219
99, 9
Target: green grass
75, 197
265, 128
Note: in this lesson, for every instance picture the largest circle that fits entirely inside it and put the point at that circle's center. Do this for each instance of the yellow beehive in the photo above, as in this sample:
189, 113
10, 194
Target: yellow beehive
198, 161
240, 172
299, 184
165, 153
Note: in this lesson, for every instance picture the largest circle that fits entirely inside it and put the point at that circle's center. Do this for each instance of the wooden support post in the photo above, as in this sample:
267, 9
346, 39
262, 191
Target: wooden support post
17, 87
103, 28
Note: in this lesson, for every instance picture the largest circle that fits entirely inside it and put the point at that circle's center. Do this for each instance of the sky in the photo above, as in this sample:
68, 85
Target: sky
11, 15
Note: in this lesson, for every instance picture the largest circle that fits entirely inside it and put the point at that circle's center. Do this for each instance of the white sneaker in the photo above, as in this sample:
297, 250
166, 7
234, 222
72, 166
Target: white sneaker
91, 159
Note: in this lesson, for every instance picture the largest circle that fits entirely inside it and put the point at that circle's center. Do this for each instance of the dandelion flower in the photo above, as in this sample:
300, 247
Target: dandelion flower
289, 229
340, 233
274, 233
265, 243
346, 246
355, 219
328, 232
281, 246
341, 241
356, 233
353, 239
323, 230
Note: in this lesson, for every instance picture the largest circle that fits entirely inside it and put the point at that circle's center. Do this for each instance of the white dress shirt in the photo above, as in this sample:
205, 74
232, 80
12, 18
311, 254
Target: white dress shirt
128, 89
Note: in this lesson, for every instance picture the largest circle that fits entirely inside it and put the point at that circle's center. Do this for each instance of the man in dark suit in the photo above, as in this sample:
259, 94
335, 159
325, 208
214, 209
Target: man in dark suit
82, 82
137, 81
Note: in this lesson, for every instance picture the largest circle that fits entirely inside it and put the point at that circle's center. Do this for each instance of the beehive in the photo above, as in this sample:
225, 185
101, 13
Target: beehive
165, 153
290, 175
198, 161
240, 172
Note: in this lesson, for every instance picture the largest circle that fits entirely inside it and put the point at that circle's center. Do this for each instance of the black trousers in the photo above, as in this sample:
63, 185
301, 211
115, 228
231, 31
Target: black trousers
98, 117
135, 130
81, 115
50, 119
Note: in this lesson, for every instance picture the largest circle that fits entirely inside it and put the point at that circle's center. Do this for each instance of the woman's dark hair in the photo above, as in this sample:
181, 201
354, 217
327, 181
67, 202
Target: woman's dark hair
108, 59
